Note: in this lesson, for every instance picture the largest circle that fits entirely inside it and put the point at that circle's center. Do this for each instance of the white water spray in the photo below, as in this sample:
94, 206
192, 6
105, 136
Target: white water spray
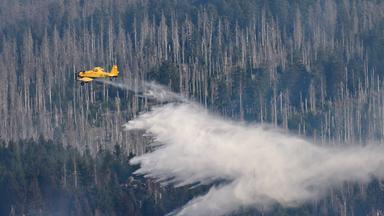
145, 89
260, 167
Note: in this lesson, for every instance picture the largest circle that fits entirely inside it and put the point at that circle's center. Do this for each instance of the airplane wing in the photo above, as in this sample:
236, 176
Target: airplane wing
84, 80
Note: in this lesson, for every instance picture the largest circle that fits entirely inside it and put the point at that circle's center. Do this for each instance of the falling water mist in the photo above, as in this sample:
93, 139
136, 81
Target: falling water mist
261, 167
257, 166
145, 89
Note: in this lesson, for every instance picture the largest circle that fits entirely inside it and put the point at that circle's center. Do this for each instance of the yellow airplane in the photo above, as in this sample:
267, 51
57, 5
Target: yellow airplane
97, 72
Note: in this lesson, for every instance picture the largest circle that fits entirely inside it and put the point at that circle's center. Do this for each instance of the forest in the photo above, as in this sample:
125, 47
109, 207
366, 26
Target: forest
311, 67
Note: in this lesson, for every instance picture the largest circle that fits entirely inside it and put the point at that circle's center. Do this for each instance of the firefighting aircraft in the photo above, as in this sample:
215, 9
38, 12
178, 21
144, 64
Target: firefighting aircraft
97, 72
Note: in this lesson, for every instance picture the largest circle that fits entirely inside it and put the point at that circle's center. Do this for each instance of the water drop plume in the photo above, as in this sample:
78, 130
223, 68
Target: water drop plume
257, 166
150, 90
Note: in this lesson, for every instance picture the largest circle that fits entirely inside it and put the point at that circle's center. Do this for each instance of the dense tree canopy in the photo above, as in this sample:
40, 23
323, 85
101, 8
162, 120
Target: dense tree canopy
314, 67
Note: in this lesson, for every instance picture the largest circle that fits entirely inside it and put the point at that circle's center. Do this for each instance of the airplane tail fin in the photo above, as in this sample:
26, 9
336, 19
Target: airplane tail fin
114, 70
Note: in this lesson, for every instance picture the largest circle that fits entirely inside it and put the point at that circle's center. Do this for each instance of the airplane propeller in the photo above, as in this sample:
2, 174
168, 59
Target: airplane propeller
78, 73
